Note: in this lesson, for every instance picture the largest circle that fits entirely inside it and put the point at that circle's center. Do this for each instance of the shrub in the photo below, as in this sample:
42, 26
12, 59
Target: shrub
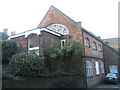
25, 65
70, 49
62, 59
9, 48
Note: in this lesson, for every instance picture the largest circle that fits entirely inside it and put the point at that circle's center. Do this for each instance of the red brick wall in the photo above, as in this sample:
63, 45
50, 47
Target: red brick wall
88, 50
95, 79
54, 16
21, 40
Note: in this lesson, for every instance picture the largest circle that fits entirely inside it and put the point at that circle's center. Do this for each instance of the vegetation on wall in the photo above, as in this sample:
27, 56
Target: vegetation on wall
62, 59
74, 47
9, 48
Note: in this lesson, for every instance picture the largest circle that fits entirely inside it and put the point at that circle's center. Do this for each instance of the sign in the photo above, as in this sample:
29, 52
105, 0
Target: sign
94, 53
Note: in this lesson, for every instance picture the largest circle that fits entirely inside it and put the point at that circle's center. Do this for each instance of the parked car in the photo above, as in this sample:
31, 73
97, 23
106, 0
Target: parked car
111, 78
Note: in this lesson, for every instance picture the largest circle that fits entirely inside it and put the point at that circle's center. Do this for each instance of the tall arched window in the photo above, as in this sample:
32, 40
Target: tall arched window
100, 48
94, 45
87, 42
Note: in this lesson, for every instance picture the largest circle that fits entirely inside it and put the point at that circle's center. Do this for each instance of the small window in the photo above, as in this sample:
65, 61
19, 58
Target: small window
94, 46
89, 69
100, 48
62, 43
33, 44
87, 42
102, 67
96, 65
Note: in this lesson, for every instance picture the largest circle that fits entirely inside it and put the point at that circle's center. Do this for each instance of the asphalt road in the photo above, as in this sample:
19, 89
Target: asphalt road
103, 85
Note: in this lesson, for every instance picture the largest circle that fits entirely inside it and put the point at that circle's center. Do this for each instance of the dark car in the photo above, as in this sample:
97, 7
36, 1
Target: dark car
111, 78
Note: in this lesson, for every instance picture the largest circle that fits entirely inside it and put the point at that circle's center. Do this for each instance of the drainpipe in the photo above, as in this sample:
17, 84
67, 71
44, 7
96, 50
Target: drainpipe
85, 76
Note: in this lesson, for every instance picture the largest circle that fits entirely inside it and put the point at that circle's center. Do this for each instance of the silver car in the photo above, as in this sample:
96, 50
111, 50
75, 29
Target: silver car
111, 78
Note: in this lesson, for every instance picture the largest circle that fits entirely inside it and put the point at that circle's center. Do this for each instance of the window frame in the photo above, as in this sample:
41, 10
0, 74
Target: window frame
61, 44
94, 45
102, 67
96, 66
32, 48
89, 69
87, 42
100, 47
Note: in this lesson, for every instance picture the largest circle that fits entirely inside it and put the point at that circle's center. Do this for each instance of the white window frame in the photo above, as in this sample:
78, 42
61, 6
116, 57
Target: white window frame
89, 68
102, 67
94, 45
62, 46
56, 27
33, 48
87, 42
97, 70
100, 47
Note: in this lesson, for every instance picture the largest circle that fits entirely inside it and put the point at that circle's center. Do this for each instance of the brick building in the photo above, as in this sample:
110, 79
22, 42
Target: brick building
57, 26
113, 42
111, 55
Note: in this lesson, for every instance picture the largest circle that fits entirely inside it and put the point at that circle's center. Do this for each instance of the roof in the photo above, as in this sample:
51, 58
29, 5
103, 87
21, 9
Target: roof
96, 37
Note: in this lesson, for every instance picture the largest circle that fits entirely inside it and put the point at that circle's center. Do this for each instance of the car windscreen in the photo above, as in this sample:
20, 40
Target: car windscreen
111, 75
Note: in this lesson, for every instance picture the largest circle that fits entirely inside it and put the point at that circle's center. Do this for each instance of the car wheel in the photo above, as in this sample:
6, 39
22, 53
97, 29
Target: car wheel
116, 83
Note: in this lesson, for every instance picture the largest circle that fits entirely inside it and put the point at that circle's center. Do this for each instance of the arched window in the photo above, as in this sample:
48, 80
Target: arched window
59, 28
100, 48
87, 42
94, 45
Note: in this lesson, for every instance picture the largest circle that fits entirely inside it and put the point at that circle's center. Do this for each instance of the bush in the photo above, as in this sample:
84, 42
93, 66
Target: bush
25, 65
71, 49
62, 59
9, 48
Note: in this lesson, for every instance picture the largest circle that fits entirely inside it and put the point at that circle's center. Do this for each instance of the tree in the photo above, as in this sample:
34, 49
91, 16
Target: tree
9, 48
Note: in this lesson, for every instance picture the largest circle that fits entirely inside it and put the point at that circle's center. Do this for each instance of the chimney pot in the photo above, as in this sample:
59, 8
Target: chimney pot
13, 33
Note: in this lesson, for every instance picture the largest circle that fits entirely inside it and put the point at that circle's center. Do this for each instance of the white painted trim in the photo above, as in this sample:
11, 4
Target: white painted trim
52, 32
36, 31
61, 43
34, 48
64, 27
17, 35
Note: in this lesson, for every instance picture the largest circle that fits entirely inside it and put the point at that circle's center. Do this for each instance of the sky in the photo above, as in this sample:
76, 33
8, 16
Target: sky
97, 16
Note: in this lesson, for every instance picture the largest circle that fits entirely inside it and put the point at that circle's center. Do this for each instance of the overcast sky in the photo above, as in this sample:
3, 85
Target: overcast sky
97, 16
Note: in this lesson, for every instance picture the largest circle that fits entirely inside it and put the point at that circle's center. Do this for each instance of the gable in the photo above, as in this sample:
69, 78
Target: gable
54, 16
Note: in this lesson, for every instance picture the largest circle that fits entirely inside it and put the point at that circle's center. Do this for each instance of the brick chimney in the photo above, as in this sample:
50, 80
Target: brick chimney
13, 33
5, 31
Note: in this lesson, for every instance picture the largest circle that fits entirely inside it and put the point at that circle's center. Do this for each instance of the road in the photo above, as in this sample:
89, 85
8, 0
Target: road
103, 85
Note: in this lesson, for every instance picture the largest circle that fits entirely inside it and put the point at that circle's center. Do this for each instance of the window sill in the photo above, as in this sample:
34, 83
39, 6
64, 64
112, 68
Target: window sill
97, 75
87, 46
34, 48
89, 76
103, 74
94, 49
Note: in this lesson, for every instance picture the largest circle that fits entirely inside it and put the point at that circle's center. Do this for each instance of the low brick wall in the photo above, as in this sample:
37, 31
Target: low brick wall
54, 82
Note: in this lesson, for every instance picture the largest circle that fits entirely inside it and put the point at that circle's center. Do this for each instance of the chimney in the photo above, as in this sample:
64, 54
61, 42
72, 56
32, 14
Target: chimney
99, 37
5, 31
13, 33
